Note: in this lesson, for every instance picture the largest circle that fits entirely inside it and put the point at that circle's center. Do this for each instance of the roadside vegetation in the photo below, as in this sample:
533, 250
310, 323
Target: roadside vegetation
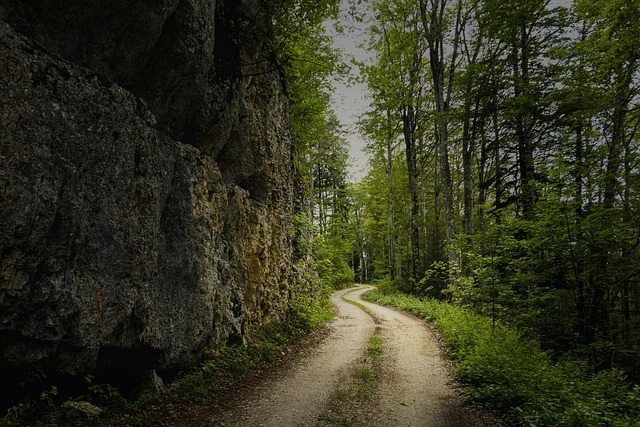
504, 167
192, 393
503, 369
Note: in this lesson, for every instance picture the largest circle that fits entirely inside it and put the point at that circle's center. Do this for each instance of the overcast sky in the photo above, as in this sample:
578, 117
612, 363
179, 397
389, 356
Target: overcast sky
350, 100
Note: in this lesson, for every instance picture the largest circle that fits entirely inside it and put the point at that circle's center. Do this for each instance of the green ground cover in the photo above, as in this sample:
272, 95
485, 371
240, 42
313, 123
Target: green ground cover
503, 370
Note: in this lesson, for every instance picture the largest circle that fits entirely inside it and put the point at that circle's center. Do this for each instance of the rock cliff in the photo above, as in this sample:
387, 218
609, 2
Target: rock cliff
145, 183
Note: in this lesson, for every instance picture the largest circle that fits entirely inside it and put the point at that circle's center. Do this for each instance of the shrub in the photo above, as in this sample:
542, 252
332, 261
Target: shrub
503, 370
309, 303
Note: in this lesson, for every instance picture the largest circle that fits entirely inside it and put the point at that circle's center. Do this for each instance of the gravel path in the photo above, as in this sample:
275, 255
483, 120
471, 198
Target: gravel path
413, 385
416, 387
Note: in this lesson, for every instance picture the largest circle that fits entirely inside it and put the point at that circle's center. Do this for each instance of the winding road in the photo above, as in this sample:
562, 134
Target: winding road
413, 385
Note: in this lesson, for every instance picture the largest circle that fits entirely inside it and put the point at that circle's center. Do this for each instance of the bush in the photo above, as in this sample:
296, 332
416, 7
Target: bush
309, 303
503, 370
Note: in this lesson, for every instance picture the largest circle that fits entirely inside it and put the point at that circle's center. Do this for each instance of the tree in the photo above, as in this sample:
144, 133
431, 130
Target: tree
380, 128
396, 81
608, 50
536, 113
435, 26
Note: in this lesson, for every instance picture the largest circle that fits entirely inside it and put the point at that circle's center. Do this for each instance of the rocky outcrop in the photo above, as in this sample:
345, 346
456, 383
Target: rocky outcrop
145, 183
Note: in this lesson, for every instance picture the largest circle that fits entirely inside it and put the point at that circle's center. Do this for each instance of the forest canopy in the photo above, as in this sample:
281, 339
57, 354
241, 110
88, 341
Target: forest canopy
503, 169
504, 164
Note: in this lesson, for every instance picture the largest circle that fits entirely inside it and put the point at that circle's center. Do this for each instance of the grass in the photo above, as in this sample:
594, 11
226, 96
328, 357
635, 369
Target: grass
363, 374
337, 420
352, 400
374, 349
505, 371
359, 305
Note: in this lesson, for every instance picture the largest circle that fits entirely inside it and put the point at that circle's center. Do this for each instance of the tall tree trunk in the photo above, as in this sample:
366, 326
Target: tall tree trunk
627, 217
579, 170
468, 136
390, 233
524, 123
581, 305
625, 96
433, 23
436, 242
483, 179
497, 161
469, 133
613, 156
599, 316
447, 194
408, 125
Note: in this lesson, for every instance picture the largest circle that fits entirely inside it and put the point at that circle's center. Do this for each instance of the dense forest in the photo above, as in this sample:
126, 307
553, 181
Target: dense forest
503, 180
503, 170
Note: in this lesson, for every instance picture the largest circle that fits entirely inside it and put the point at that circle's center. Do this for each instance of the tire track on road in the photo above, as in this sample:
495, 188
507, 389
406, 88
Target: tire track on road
416, 387
412, 387
300, 396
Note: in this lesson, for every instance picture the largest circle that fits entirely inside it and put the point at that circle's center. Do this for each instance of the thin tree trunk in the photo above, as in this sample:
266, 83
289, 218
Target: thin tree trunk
582, 315
467, 151
627, 216
497, 161
599, 317
483, 183
613, 157
579, 170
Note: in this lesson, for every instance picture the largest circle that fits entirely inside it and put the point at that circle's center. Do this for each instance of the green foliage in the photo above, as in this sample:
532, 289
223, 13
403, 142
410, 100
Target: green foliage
510, 373
14, 415
102, 395
309, 304
298, 40
308, 61
52, 409
375, 211
374, 348
544, 149
48, 398
237, 361
384, 286
331, 255
551, 283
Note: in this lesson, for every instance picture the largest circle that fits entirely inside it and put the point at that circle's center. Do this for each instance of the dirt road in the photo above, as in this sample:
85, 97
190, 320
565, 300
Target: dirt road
410, 385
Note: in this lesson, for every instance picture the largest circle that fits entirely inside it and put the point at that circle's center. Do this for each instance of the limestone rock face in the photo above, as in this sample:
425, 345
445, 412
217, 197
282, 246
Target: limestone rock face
145, 183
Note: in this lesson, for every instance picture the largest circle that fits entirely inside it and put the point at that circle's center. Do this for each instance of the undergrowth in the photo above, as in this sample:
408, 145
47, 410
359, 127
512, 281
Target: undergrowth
201, 386
503, 370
